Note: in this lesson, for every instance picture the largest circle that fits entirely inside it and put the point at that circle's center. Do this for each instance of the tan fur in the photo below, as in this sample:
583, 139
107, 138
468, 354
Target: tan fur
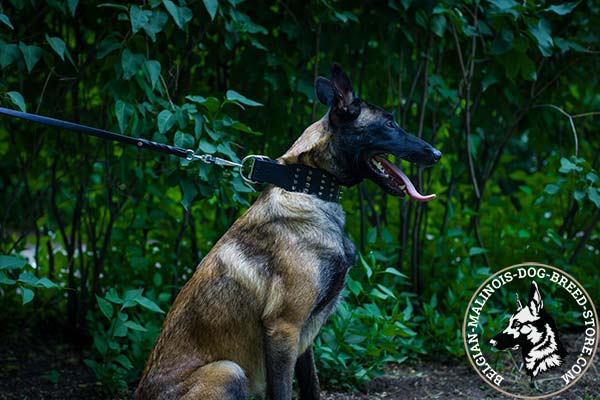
257, 289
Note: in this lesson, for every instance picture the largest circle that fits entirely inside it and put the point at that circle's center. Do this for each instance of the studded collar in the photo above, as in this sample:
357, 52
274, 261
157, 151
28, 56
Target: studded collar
296, 178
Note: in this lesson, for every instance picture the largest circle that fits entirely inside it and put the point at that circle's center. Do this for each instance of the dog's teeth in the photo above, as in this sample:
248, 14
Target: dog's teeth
380, 168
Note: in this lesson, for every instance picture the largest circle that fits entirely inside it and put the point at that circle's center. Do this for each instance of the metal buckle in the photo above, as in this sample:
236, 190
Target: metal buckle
252, 157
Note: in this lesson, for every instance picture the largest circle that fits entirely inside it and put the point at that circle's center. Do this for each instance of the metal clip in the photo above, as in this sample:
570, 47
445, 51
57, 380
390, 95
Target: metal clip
210, 159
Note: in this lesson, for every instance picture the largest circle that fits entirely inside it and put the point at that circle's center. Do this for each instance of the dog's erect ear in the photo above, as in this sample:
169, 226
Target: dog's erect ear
535, 299
324, 90
344, 108
519, 304
342, 85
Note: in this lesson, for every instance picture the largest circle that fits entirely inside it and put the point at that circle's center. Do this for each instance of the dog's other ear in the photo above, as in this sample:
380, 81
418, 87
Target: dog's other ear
343, 107
342, 85
519, 304
324, 90
535, 299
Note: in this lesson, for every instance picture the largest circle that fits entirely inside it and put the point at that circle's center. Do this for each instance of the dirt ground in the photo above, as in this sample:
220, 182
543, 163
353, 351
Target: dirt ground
23, 365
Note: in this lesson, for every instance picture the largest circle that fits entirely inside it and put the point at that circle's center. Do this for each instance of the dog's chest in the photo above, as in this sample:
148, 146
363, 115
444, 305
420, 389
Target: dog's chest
333, 269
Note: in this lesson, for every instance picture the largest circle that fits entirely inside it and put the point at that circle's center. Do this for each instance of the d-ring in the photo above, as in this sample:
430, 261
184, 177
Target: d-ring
243, 163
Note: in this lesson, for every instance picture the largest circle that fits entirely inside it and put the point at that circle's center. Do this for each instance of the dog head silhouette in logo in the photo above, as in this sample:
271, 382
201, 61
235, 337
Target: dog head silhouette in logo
532, 330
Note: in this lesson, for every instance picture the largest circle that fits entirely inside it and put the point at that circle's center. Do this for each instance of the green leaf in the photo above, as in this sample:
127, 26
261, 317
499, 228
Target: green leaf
124, 361
386, 291
184, 140
594, 196
207, 147
149, 304
232, 95
566, 45
504, 5
17, 100
135, 326
153, 69
113, 296
31, 54
47, 283
72, 6
567, 166
541, 33
211, 7
592, 177
58, 45
107, 46
52, 376
438, 25
156, 24
131, 63
28, 278
105, 307
27, 294
158, 281
9, 53
366, 266
6, 280
139, 18
563, 9
189, 193
502, 43
181, 15
579, 195
120, 329
166, 120
196, 99
10, 262
552, 188
4, 19
123, 111
473, 251
394, 271
133, 294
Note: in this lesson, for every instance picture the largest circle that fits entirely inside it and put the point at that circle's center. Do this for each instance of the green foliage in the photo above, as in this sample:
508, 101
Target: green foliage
26, 282
372, 327
482, 80
122, 337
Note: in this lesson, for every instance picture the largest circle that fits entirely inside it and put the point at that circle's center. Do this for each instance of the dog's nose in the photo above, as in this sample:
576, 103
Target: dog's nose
436, 155
493, 342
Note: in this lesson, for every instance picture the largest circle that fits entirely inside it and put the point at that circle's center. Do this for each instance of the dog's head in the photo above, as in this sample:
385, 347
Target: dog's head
526, 326
364, 134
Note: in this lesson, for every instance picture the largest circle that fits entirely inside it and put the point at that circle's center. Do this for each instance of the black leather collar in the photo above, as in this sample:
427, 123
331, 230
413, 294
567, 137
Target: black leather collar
296, 178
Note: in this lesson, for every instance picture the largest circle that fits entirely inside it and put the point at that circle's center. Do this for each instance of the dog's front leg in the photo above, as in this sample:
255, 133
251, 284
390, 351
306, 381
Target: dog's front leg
281, 347
306, 374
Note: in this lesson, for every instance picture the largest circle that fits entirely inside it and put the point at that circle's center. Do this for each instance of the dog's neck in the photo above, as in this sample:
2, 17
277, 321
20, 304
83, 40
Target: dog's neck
315, 149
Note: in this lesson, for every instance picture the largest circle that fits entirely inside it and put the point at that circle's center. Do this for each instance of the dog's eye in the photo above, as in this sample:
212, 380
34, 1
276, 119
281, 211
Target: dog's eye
517, 325
390, 124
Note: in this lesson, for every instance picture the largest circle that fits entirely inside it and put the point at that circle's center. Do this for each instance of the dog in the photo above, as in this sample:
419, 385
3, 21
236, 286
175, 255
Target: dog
532, 330
245, 321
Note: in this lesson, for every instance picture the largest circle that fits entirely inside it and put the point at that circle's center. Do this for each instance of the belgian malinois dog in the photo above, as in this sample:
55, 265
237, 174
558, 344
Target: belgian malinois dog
245, 321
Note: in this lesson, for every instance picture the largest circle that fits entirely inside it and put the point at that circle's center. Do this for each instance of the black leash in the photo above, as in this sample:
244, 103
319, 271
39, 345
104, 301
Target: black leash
295, 177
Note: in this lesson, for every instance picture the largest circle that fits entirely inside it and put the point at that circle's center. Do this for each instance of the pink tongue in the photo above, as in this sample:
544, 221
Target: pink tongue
410, 188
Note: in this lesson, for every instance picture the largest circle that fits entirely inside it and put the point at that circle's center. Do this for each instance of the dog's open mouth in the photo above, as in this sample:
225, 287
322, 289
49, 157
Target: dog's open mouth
394, 180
